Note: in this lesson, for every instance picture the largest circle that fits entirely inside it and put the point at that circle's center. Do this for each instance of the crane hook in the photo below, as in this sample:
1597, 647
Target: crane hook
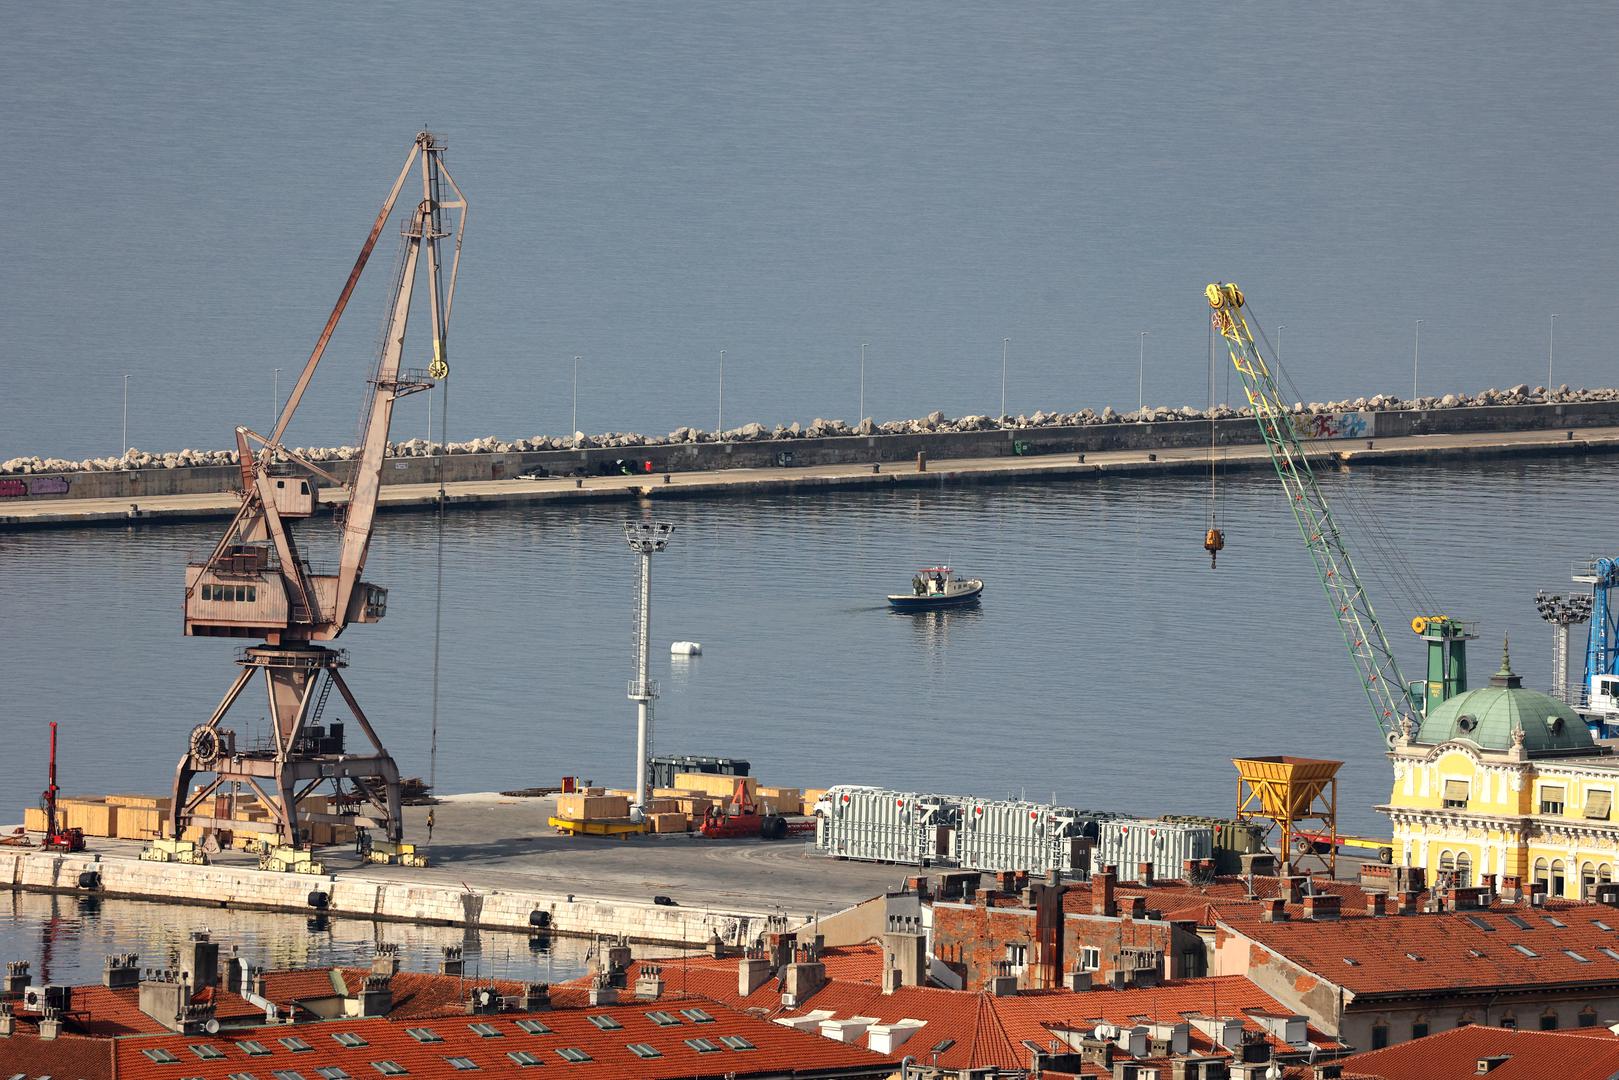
1213, 543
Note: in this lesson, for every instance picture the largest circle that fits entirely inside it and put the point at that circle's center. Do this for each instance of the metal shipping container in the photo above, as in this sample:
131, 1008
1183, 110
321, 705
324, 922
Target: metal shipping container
878, 825
1232, 839
1014, 835
1165, 844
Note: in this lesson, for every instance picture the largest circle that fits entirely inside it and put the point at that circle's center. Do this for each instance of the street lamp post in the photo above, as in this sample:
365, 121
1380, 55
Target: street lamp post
1280, 327
1141, 372
719, 424
576, 393
1416, 352
645, 538
1004, 343
125, 448
861, 418
1551, 351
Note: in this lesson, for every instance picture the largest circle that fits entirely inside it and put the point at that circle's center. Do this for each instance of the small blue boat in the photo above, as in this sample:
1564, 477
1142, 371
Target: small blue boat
937, 587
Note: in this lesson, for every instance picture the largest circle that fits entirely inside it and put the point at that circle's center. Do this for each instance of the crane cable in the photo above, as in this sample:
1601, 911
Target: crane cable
1213, 537
438, 601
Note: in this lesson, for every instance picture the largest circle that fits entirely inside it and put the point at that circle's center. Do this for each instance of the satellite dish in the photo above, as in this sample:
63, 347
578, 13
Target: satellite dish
211, 1026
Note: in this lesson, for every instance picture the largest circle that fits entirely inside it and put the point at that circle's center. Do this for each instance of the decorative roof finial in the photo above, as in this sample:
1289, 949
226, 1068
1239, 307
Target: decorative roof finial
1506, 677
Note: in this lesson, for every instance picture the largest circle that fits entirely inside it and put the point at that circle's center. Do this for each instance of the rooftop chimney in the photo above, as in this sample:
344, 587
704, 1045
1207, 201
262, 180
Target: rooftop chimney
536, 997
451, 963
1137, 908
1376, 905
17, 977
906, 954
1274, 910
1078, 981
1144, 873
649, 982
1293, 887
803, 979
1258, 864
752, 972
385, 961
121, 971
1102, 902
376, 997
1512, 888
1490, 1064
1322, 907
1407, 903
1002, 986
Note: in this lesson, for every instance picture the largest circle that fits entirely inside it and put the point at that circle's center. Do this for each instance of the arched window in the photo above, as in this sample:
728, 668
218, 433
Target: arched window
1447, 862
1604, 873
1509, 1019
1588, 1017
1380, 1035
1542, 873
1464, 870
1588, 880
1558, 884
1419, 1028
1548, 1020
1464, 1020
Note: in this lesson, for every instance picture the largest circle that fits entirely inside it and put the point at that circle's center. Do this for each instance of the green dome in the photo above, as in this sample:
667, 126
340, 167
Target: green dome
1487, 717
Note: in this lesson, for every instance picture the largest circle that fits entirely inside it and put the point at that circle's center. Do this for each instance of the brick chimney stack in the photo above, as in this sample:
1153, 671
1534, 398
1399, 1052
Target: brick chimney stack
1144, 873
1408, 902
1294, 886
1376, 905
1102, 901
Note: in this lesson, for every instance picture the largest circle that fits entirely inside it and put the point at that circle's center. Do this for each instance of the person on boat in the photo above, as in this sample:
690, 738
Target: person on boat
918, 586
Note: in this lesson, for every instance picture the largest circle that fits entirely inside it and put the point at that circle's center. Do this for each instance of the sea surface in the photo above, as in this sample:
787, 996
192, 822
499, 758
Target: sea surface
654, 183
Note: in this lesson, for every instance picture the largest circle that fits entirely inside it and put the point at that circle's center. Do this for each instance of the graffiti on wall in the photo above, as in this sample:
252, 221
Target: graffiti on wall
1349, 425
12, 488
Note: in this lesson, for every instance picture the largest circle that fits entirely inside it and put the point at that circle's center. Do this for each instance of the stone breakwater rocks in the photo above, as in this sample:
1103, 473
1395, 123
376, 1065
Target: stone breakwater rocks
1521, 394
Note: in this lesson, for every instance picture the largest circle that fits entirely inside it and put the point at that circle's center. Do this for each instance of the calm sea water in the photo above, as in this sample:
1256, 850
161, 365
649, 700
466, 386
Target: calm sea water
66, 937
655, 183
1108, 665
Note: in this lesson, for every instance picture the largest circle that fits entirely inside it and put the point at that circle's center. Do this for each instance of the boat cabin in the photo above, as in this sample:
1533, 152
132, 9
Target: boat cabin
931, 581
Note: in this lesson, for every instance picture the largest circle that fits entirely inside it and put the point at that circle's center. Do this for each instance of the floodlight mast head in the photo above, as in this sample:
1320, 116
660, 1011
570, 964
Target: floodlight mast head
647, 537
1562, 612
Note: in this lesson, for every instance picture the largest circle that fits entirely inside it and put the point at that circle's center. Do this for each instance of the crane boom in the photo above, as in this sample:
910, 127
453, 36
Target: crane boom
1374, 660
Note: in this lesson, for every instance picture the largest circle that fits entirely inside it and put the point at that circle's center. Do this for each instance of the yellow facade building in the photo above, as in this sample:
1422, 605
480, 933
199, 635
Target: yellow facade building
1503, 781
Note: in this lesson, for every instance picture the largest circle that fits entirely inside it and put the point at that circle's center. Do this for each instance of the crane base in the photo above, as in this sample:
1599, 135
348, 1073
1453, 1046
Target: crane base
174, 851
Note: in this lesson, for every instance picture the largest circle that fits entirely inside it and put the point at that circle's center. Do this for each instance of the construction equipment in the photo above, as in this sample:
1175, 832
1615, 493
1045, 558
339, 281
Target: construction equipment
740, 817
1281, 793
58, 837
1598, 699
1391, 698
259, 584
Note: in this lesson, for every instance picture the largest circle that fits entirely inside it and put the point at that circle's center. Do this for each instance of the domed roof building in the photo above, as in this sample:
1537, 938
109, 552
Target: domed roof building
1505, 783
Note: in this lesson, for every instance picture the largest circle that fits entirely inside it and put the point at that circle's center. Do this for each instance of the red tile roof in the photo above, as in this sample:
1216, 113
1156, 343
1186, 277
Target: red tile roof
1400, 954
771, 1049
66, 1057
982, 1030
103, 1012
1590, 1054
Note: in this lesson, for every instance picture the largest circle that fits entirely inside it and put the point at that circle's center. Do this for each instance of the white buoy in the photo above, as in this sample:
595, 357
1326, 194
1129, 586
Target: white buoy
686, 648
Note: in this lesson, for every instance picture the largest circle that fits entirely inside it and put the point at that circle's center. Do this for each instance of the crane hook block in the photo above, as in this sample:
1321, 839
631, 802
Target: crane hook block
1419, 625
1213, 543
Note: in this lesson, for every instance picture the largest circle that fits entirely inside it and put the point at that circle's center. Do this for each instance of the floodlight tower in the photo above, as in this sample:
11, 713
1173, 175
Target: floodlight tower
645, 538
1562, 612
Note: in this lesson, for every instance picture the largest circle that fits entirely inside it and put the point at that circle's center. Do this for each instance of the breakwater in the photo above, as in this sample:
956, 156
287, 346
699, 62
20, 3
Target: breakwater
825, 443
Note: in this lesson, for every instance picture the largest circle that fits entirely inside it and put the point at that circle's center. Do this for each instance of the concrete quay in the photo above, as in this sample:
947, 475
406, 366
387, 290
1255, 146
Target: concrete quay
495, 864
864, 474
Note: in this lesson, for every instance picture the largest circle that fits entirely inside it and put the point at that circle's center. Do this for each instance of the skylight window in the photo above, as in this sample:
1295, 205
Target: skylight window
1609, 952
663, 1019
1526, 950
523, 1057
295, 1044
1555, 921
389, 1068
253, 1049
1576, 956
942, 1045
737, 1042
286, 1074
242, 1076
644, 1050
424, 1035
1520, 922
486, 1031
534, 1027
1480, 923
703, 1046
1600, 925
334, 1072
349, 1039
606, 1023
573, 1054
697, 1016
461, 1064
1414, 956
207, 1051
1351, 961
161, 1057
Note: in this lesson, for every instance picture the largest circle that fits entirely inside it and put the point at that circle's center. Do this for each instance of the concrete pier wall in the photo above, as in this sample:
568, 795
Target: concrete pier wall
375, 898
135, 484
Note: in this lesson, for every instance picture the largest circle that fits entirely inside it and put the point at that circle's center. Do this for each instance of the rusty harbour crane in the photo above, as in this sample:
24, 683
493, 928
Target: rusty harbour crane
258, 583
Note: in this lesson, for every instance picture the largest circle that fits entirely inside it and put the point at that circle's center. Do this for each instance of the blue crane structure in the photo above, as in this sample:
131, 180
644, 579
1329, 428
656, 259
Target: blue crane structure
1602, 644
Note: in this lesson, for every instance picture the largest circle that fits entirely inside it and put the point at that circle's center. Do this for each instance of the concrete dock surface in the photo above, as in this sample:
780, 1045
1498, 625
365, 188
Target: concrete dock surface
64, 513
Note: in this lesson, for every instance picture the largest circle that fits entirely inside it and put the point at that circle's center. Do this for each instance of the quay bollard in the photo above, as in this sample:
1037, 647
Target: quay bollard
667, 478
578, 482
1368, 444
1082, 459
921, 461
876, 468
1152, 457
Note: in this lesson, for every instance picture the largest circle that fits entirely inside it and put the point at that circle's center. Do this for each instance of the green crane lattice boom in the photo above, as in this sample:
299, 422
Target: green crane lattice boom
1374, 660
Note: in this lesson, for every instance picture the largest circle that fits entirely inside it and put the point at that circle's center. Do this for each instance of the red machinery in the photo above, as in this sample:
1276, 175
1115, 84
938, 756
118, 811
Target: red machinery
740, 817
57, 837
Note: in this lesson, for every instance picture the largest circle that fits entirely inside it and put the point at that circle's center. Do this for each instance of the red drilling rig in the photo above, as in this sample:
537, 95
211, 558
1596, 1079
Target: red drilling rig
58, 837
258, 583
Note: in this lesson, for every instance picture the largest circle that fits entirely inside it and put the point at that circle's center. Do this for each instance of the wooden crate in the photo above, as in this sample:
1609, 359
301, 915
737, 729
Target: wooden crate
670, 823
713, 784
95, 817
592, 807
139, 822
145, 802
663, 806
33, 819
